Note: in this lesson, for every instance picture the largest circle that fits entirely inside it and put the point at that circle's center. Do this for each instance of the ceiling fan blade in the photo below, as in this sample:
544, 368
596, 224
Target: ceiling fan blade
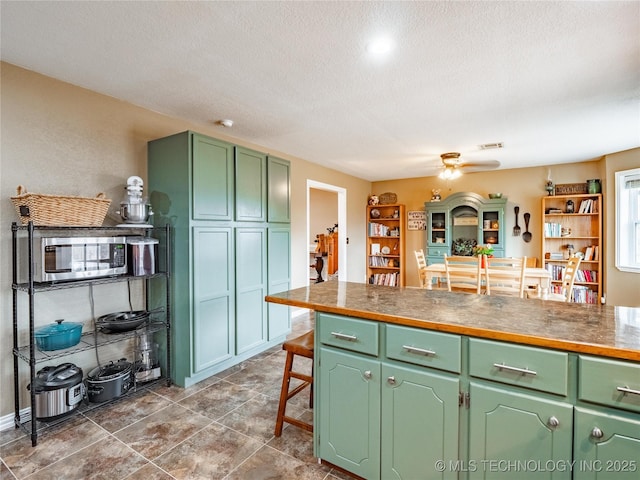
480, 164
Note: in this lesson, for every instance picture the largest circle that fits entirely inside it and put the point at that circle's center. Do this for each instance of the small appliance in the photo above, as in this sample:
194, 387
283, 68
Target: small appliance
78, 258
135, 209
58, 389
147, 367
142, 254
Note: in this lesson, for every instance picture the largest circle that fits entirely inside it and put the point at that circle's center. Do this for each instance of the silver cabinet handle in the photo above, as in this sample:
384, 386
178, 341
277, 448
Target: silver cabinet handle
553, 422
344, 336
524, 371
597, 433
424, 351
626, 390
367, 374
391, 380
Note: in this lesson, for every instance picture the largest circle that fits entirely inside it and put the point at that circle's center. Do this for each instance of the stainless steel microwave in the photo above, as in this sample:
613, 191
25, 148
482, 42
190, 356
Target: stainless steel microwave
78, 258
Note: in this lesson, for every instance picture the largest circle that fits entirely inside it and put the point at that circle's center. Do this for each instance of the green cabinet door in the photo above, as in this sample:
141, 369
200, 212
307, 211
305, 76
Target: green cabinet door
515, 434
251, 185
420, 417
279, 274
279, 190
212, 179
349, 412
251, 286
606, 446
213, 310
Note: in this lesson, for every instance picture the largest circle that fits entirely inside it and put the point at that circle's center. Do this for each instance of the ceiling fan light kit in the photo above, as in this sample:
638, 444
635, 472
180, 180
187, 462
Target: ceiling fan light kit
452, 165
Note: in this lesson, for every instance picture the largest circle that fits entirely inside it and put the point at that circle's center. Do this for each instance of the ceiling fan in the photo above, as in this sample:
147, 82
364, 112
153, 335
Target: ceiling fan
452, 165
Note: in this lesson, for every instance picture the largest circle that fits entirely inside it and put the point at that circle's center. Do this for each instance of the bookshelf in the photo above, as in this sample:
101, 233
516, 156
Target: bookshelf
572, 224
386, 257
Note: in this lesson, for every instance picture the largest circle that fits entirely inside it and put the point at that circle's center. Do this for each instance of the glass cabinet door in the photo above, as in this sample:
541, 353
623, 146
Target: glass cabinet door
437, 231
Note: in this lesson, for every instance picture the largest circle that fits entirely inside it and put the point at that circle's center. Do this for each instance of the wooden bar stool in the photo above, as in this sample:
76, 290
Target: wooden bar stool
303, 346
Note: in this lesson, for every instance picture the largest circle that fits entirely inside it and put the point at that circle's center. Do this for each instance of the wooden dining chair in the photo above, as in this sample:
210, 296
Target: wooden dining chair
568, 279
504, 276
422, 265
463, 273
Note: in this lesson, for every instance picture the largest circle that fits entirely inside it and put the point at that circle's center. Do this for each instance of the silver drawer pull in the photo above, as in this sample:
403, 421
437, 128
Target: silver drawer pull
344, 336
524, 371
391, 380
626, 390
424, 351
553, 422
597, 433
368, 374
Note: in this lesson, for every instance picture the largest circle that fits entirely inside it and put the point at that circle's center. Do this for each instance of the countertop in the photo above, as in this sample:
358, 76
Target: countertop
601, 330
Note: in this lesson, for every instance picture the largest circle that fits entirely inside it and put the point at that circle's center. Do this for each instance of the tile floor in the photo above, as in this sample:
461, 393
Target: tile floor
221, 428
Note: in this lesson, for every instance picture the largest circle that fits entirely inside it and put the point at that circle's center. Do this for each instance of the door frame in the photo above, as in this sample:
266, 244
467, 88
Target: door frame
342, 224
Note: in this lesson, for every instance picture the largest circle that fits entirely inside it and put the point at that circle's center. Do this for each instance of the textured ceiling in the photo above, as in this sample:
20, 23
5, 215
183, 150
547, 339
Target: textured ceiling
557, 82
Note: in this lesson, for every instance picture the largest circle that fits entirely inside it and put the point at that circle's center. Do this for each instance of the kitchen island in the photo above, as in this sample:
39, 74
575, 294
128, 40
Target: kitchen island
419, 384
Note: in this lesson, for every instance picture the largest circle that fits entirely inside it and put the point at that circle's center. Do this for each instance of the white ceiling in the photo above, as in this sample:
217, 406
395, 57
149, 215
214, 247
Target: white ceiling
556, 81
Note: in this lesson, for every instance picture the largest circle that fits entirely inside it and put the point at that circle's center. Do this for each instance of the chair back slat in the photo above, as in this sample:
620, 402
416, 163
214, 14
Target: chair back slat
504, 276
463, 273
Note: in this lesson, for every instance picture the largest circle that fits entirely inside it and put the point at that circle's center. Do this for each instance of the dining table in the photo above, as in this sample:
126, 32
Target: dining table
539, 278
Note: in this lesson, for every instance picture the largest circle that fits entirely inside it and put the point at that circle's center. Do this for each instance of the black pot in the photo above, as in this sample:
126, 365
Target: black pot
110, 381
59, 390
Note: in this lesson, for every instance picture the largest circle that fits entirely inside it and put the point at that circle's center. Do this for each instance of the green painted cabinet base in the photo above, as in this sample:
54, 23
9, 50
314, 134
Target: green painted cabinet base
402, 403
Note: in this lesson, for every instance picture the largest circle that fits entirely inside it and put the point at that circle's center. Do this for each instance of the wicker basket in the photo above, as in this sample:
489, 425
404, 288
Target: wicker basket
60, 210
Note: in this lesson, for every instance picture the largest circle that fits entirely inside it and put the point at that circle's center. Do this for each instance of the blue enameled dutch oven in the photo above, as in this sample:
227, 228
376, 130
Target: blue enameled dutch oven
58, 335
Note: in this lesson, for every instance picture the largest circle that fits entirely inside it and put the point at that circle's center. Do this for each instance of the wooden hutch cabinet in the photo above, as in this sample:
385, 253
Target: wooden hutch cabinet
461, 220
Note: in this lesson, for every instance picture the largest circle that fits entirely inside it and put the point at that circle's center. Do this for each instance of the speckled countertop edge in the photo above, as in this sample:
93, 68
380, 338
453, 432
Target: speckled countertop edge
601, 330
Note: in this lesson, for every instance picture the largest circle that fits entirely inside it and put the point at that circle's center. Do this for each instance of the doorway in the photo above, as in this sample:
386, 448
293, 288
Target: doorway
335, 200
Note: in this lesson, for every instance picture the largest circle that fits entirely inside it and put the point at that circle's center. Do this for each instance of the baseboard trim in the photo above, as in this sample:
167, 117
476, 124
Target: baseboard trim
7, 422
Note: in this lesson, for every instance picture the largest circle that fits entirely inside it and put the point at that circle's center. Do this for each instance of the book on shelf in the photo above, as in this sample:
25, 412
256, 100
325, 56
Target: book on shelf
588, 205
588, 254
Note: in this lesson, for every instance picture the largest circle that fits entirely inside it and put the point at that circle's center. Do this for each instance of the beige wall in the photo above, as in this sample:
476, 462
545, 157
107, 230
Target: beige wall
323, 211
622, 288
60, 139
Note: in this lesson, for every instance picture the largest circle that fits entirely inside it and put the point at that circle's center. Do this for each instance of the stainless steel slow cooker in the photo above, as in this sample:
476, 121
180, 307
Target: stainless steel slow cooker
58, 389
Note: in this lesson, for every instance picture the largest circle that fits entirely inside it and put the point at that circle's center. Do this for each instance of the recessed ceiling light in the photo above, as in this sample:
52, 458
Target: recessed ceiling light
379, 46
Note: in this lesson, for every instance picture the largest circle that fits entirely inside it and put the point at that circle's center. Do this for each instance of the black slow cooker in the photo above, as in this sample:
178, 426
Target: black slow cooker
58, 389
109, 381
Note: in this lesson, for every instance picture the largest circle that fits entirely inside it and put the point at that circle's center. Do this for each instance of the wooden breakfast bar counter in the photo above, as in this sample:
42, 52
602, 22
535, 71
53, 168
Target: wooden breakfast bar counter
419, 384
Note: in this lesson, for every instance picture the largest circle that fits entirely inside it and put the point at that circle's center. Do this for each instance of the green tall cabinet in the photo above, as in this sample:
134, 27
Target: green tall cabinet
230, 209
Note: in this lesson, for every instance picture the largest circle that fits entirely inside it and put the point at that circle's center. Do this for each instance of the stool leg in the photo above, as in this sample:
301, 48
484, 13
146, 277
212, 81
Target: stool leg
311, 388
284, 393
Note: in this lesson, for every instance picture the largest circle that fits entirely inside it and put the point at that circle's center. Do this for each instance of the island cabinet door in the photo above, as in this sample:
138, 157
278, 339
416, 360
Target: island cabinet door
516, 434
349, 412
420, 417
606, 446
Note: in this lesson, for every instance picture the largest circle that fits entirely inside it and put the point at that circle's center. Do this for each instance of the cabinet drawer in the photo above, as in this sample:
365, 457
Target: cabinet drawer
609, 382
529, 367
348, 333
423, 347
